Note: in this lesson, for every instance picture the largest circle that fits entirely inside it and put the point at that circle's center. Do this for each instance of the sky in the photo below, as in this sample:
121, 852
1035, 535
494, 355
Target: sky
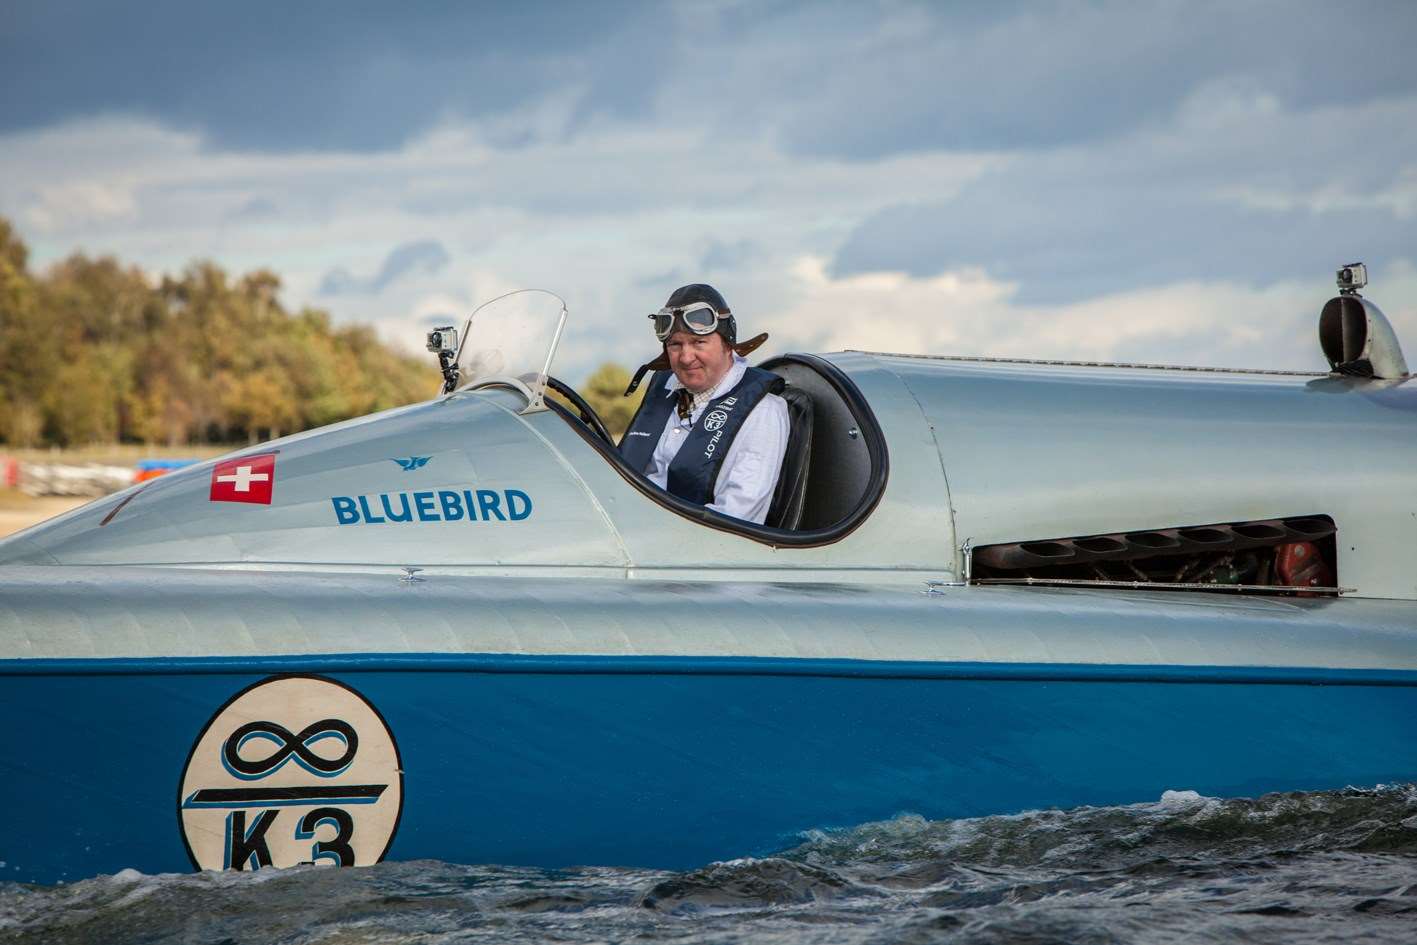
1140, 181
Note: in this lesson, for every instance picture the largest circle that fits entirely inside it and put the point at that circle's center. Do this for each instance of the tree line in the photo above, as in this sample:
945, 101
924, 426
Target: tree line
93, 351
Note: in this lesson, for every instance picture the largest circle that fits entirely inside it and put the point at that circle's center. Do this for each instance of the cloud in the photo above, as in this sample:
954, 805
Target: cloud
1236, 188
427, 256
277, 76
778, 242
82, 202
1214, 323
591, 217
730, 254
257, 208
853, 81
860, 81
1028, 179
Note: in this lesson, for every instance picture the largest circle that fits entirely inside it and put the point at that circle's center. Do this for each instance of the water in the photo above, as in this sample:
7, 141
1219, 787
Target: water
1285, 868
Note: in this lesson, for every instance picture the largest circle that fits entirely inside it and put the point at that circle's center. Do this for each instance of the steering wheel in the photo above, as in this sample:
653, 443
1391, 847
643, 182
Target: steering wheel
588, 415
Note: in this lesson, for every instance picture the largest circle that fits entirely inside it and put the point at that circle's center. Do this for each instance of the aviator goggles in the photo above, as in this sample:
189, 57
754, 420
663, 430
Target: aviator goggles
701, 318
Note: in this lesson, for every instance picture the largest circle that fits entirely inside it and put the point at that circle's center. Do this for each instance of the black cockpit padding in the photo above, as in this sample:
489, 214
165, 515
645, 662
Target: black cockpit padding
791, 493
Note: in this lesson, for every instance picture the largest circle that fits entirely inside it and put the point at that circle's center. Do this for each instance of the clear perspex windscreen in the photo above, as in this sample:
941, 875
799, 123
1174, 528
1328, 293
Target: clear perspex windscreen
512, 340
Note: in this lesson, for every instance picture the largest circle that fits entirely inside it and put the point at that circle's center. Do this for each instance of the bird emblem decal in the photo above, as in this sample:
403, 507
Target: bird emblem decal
410, 463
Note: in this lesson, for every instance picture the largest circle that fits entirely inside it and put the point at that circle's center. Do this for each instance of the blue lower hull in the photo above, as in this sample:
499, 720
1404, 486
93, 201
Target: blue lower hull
655, 763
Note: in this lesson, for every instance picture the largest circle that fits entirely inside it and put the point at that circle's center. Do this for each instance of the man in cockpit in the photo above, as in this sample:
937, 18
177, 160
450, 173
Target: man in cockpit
710, 429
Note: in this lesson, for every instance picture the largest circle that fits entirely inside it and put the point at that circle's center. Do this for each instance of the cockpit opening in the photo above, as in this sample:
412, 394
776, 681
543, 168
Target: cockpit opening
834, 467
833, 473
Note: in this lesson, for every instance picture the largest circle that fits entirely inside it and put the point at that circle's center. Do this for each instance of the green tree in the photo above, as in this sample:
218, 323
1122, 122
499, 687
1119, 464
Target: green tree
605, 391
261, 403
93, 349
78, 408
28, 354
12, 249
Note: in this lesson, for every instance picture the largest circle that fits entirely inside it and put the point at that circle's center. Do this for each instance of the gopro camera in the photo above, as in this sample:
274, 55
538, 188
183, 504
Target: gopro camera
444, 343
444, 340
1352, 277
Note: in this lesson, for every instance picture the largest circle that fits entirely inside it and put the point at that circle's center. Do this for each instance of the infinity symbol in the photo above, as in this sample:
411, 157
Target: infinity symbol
297, 745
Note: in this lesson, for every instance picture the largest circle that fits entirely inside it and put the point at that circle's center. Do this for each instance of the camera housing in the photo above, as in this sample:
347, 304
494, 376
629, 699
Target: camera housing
443, 340
1352, 277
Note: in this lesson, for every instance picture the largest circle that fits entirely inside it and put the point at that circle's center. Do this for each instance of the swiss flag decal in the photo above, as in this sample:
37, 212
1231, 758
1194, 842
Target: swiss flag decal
248, 479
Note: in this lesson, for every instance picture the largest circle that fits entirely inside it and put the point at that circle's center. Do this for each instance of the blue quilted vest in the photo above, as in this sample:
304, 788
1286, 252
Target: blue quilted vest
694, 470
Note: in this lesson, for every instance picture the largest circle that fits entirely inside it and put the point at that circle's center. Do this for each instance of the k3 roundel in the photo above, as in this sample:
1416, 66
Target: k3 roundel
715, 420
292, 770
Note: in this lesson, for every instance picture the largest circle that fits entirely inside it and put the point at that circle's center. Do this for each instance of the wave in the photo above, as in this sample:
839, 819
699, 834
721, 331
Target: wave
1294, 867
1181, 823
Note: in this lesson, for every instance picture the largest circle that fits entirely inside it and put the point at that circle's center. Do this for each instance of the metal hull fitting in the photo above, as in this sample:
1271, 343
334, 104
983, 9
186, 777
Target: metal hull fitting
583, 722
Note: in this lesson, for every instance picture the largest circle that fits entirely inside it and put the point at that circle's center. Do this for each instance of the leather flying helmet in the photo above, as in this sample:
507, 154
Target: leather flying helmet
701, 310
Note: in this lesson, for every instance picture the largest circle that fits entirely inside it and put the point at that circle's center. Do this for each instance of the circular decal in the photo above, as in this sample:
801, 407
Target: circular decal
715, 420
295, 769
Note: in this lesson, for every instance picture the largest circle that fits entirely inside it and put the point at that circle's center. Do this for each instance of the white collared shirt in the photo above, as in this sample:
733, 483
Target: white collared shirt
748, 476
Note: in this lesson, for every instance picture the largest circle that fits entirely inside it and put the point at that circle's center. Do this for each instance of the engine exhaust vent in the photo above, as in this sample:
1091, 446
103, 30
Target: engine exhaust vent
1281, 553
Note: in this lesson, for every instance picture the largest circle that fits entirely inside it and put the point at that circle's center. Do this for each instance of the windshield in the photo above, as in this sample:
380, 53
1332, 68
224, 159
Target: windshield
512, 340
